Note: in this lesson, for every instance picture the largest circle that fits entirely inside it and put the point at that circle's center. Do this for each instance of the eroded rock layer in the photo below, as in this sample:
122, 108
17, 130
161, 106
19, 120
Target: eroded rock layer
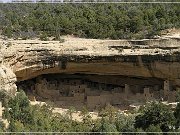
158, 59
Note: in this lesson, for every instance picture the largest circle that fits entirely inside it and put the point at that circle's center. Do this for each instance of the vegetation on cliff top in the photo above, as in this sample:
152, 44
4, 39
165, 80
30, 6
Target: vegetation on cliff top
115, 21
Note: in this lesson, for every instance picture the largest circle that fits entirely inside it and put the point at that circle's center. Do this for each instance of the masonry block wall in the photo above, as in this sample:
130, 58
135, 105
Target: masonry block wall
76, 92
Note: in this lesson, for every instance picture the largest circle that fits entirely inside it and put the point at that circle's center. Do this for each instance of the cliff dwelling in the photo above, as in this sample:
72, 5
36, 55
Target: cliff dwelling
96, 91
92, 73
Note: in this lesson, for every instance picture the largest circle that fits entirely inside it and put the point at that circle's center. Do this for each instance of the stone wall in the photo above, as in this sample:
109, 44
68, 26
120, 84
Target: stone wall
94, 94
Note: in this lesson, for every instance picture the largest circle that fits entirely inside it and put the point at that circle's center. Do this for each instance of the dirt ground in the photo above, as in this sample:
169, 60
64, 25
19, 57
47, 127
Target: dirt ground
75, 116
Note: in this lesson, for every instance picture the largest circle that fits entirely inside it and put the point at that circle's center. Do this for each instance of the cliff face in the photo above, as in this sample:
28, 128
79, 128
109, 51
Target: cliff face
158, 58
7, 80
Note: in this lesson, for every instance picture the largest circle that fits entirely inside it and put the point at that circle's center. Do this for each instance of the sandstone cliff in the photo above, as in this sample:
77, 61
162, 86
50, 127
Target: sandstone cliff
157, 58
7, 80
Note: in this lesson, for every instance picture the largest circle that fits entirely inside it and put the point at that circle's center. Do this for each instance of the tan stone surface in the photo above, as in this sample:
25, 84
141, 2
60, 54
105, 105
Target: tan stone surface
24, 57
7, 80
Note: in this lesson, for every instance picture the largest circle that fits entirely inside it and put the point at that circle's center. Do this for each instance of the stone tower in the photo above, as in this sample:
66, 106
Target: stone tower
167, 88
127, 89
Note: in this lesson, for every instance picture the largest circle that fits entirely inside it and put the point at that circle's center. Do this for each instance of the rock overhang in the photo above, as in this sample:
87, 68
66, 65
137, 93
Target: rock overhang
142, 58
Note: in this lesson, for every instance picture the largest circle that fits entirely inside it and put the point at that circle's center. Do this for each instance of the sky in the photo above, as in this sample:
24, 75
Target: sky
5, 0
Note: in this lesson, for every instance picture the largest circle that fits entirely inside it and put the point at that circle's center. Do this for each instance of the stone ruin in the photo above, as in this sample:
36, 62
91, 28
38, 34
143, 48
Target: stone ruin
79, 91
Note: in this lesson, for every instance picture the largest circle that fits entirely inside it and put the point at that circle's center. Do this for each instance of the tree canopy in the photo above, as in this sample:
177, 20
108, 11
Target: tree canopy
115, 21
24, 117
155, 114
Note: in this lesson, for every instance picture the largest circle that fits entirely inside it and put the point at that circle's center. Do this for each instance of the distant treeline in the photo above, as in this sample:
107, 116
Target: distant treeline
85, 1
114, 21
